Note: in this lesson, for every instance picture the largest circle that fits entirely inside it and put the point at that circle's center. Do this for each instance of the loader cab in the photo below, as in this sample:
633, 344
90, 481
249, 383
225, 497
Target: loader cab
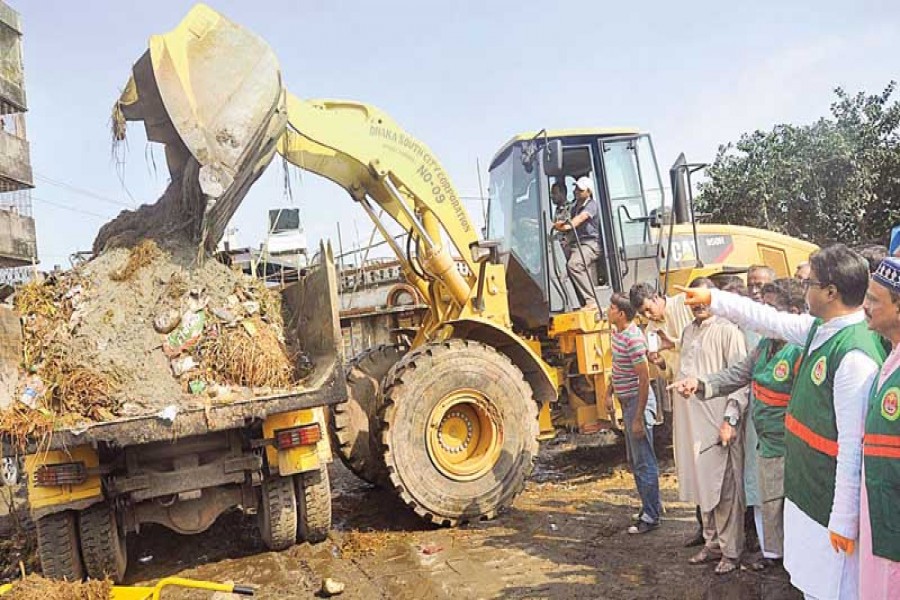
521, 213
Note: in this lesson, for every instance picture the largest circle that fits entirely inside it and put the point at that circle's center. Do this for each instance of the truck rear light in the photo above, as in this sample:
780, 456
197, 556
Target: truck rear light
73, 473
297, 436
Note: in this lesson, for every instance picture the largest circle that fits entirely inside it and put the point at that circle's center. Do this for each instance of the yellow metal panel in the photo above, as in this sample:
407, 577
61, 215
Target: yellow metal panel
590, 353
294, 460
564, 133
534, 344
545, 424
44, 496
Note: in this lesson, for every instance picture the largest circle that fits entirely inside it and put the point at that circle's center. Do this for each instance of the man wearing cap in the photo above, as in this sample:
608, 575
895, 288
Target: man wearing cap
825, 414
584, 219
879, 531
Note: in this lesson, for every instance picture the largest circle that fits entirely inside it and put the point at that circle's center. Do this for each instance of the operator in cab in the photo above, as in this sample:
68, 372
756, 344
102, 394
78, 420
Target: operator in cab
582, 256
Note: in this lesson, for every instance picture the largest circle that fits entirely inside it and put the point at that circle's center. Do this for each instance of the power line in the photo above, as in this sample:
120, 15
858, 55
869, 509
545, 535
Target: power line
70, 208
83, 192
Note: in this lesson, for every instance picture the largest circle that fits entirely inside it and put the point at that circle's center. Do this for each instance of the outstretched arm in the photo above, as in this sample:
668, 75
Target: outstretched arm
747, 314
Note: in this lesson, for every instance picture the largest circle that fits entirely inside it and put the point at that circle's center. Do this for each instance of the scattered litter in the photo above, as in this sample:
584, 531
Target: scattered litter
168, 413
34, 389
138, 331
431, 549
186, 335
251, 307
332, 587
146, 559
166, 321
224, 315
182, 365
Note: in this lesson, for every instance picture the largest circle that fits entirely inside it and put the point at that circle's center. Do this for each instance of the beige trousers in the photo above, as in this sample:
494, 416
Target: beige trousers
723, 526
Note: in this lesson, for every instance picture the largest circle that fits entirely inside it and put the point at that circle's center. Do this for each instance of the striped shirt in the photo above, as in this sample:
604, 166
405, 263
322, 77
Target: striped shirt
628, 349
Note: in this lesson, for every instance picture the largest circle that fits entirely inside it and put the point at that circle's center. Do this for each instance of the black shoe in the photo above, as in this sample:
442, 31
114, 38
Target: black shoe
642, 527
697, 540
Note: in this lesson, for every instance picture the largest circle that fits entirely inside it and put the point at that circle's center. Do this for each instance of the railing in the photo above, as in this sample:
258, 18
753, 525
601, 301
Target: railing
18, 202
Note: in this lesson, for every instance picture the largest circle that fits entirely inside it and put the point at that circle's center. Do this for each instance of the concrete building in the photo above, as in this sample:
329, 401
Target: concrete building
18, 242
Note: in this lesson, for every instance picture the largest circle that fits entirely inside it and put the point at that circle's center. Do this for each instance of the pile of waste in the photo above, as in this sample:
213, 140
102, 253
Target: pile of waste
35, 586
142, 331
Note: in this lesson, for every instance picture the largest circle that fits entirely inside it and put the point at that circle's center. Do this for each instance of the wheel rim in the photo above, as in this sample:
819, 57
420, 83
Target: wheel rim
465, 435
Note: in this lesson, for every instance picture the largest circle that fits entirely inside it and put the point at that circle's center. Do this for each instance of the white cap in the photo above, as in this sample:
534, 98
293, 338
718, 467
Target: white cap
585, 183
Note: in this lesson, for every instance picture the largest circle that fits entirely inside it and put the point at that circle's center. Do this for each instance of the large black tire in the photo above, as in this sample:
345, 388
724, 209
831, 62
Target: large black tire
415, 387
356, 422
57, 537
102, 543
278, 512
313, 505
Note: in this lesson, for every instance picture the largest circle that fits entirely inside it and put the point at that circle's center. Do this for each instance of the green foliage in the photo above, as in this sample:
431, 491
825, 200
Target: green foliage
837, 179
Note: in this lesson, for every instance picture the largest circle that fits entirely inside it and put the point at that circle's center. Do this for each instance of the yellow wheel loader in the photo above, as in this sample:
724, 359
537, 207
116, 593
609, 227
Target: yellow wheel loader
451, 423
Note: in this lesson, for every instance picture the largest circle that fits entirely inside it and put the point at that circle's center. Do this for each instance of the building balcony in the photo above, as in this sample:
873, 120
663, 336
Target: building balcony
12, 74
18, 240
15, 163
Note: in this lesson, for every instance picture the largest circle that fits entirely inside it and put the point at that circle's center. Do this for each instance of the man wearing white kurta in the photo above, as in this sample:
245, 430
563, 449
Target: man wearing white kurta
821, 516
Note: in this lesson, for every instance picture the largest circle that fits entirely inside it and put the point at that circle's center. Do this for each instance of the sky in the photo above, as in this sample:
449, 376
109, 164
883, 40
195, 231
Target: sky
461, 76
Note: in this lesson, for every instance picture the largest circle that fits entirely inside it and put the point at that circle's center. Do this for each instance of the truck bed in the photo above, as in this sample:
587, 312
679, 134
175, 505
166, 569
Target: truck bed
312, 306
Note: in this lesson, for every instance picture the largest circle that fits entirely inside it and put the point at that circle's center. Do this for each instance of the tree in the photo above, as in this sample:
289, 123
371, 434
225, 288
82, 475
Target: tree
837, 179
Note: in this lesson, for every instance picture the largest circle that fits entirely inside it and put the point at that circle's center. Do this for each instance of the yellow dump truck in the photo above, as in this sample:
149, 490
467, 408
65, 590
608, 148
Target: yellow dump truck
89, 487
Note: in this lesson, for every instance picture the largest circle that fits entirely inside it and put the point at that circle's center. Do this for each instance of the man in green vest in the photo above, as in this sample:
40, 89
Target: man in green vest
769, 371
824, 420
879, 532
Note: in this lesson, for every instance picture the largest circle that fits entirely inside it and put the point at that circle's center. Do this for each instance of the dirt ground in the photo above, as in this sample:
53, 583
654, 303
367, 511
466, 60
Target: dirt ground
564, 538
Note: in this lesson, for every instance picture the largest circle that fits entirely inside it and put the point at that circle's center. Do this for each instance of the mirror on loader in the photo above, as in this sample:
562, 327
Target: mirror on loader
553, 158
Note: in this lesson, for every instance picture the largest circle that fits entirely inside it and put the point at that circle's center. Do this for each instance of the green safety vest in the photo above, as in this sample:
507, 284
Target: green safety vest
881, 453
810, 441
772, 381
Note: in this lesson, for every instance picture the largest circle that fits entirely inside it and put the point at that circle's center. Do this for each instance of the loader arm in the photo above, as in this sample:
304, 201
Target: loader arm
367, 153
212, 92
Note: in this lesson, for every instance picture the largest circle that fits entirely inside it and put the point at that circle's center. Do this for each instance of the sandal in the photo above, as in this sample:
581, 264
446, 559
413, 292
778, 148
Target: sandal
726, 565
704, 556
760, 563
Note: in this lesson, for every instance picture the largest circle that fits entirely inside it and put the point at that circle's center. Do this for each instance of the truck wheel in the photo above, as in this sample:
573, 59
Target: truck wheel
460, 431
355, 422
57, 537
102, 543
314, 505
278, 512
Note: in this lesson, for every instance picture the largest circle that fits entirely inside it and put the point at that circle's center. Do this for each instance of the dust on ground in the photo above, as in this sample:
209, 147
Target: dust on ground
564, 537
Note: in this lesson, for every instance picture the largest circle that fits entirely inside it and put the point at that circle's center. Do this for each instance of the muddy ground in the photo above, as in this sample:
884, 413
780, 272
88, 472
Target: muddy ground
563, 538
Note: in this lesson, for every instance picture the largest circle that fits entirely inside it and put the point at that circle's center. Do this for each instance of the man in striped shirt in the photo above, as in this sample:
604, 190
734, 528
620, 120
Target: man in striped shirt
631, 384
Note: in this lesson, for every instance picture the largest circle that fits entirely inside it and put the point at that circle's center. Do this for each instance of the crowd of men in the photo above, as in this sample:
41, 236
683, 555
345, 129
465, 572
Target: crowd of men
785, 396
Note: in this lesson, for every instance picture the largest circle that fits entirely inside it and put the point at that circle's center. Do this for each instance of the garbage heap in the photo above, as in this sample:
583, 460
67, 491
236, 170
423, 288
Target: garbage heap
145, 330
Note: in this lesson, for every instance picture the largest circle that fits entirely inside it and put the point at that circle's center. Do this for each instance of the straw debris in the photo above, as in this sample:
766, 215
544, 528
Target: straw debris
249, 355
35, 586
180, 332
139, 257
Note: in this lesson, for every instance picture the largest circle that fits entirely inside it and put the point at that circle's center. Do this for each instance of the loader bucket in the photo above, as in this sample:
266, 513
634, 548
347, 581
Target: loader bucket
212, 90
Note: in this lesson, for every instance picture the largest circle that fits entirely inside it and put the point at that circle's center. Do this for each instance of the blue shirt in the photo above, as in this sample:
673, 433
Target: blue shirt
590, 229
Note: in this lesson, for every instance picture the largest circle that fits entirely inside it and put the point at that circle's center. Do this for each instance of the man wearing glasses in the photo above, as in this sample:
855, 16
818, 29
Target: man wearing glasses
824, 421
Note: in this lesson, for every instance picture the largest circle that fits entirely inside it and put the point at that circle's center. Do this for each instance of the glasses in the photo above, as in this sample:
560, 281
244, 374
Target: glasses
808, 283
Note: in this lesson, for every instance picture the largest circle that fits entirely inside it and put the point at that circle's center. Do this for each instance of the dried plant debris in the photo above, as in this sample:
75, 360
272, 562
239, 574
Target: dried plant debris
138, 329
139, 257
35, 586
